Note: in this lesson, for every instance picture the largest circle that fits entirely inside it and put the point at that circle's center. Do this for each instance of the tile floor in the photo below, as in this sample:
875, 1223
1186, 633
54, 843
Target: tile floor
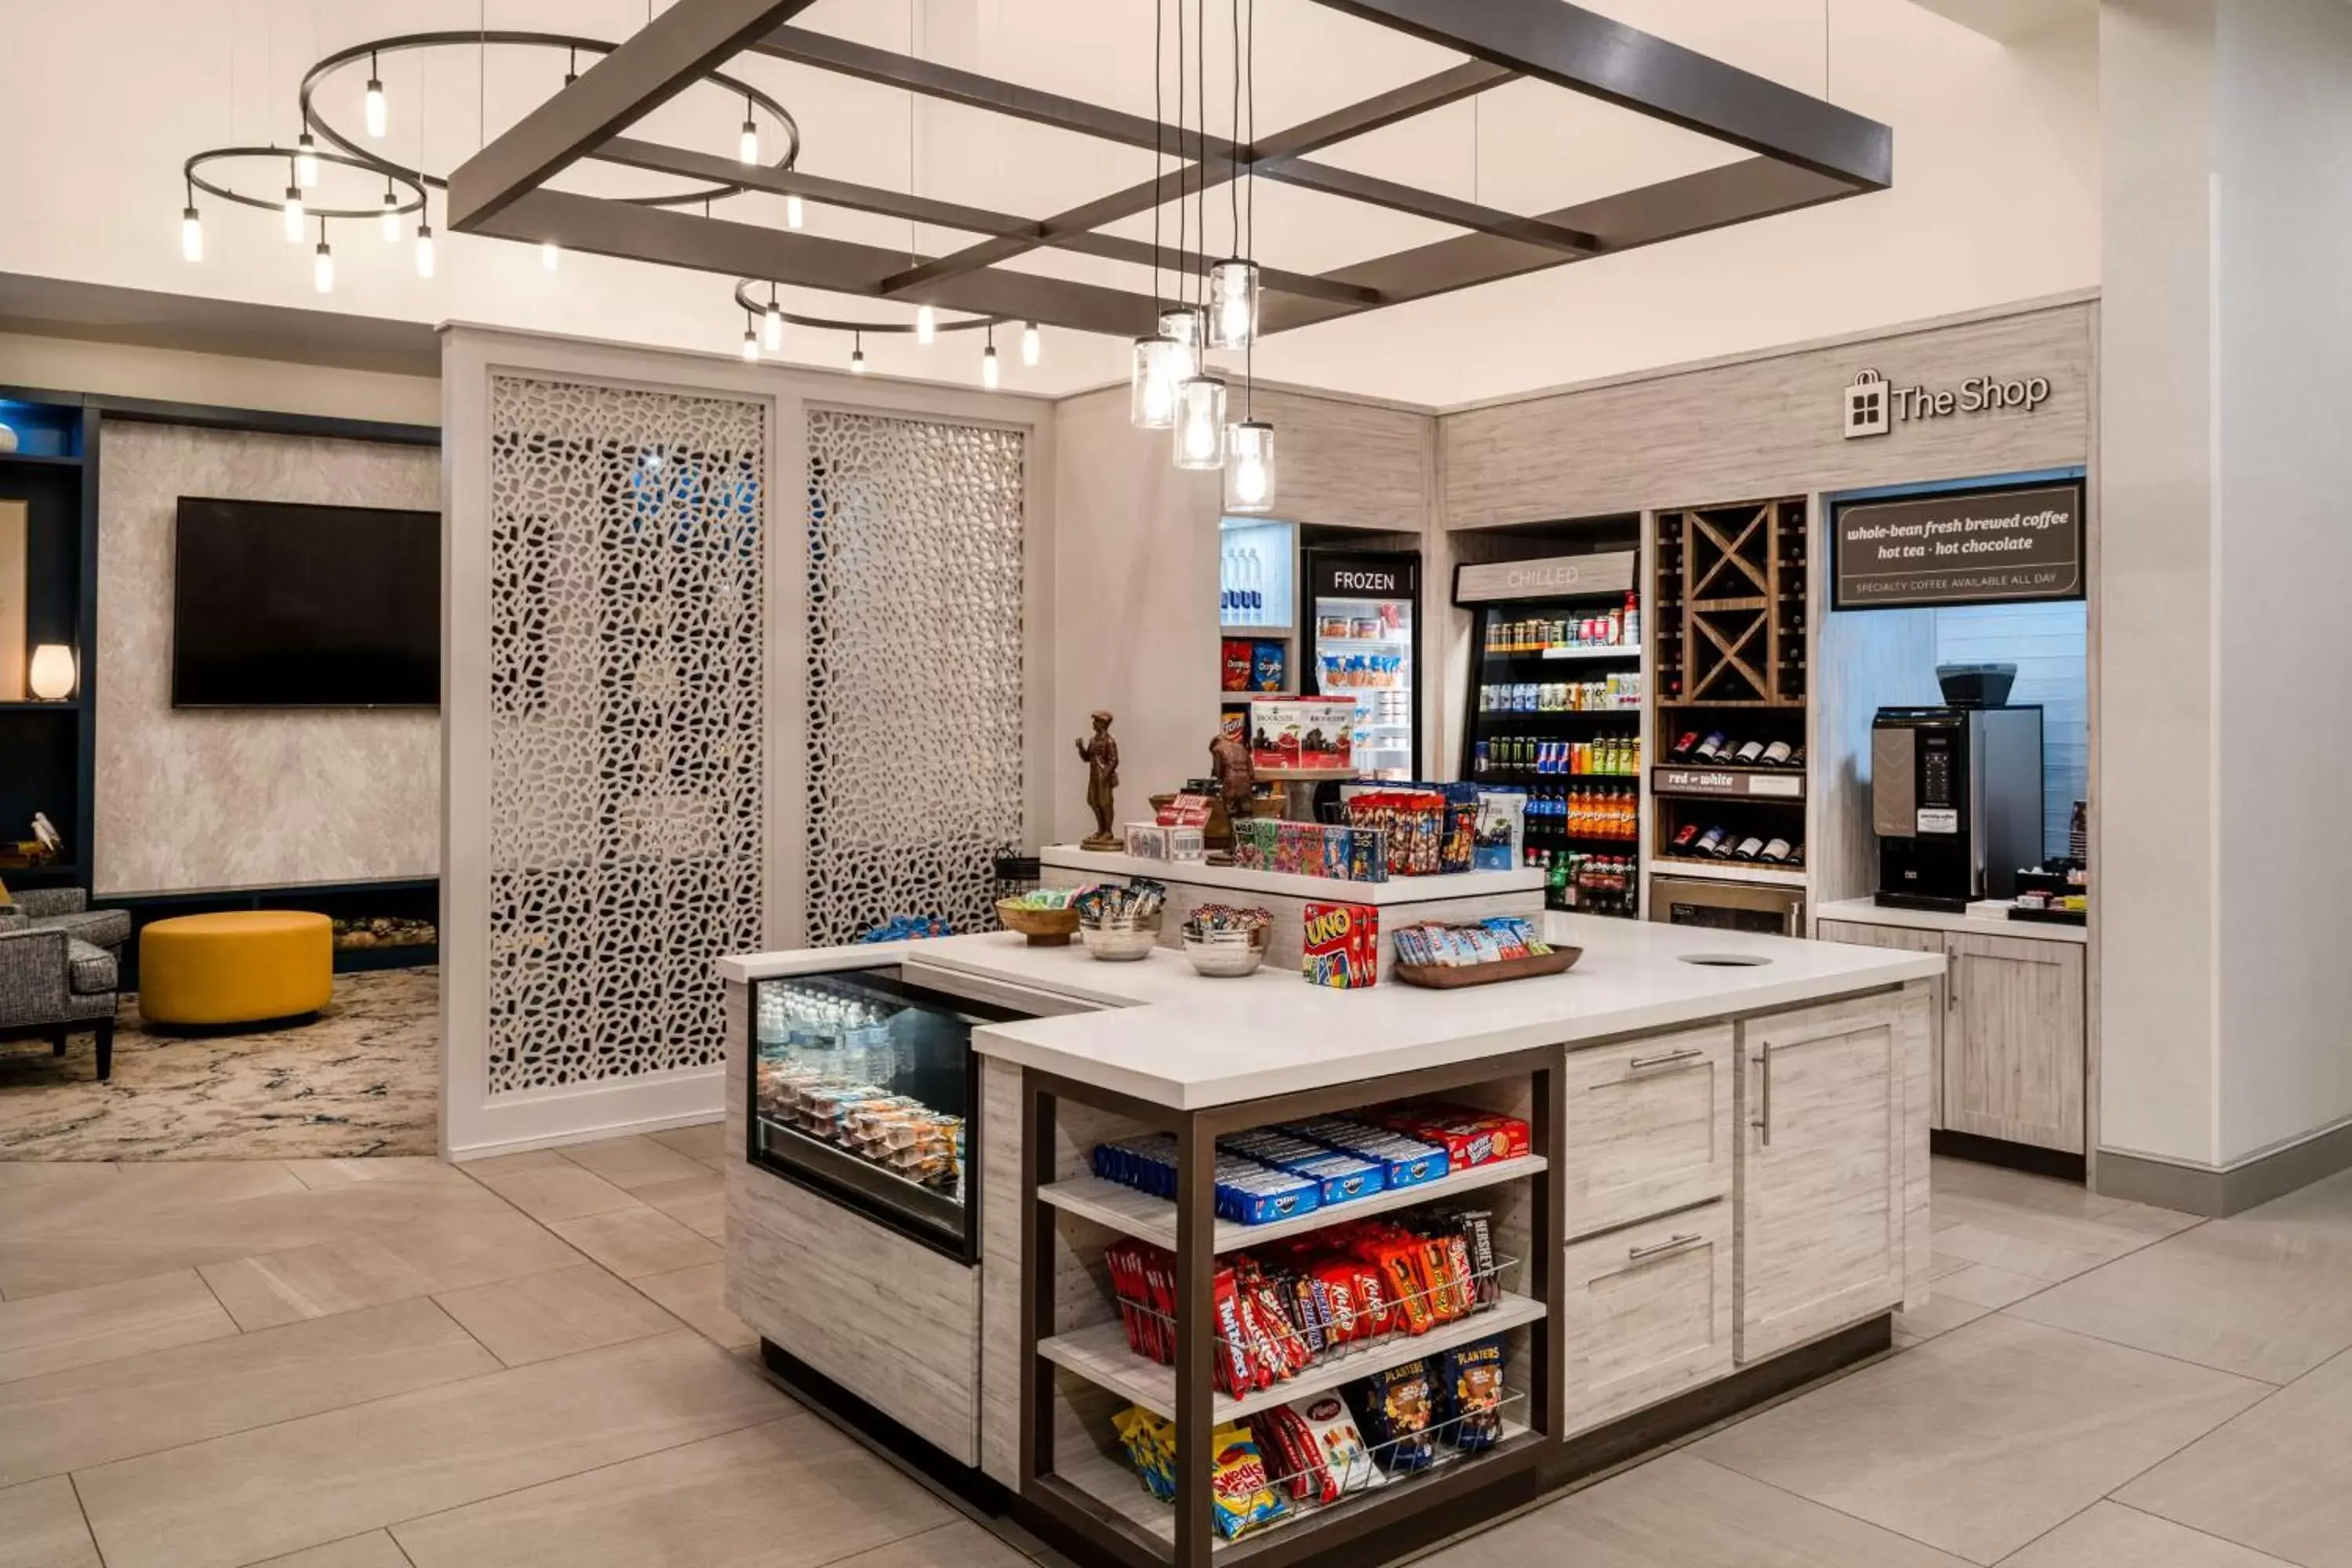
392, 1363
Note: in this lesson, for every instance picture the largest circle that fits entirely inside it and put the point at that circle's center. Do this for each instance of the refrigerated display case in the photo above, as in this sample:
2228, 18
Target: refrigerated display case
864, 1090
1363, 622
1555, 713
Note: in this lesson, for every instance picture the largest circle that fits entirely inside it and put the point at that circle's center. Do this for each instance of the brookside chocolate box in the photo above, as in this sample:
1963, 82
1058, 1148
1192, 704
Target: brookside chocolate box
1342, 945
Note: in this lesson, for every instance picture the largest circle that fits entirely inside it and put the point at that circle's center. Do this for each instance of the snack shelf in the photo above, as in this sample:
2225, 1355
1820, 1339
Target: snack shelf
1148, 1218
1112, 1483
1100, 1354
1246, 629
1572, 651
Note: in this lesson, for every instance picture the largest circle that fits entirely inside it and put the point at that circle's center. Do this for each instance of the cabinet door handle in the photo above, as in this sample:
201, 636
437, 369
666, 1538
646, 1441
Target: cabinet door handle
1659, 1249
1665, 1059
1764, 1094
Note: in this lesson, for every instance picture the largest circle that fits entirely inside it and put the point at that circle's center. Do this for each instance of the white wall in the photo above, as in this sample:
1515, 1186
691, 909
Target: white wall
2227, 351
2048, 645
1996, 160
169, 375
2284, 91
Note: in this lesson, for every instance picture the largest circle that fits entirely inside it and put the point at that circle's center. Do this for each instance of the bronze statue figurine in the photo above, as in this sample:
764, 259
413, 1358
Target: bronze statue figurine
1100, 754
1236, 774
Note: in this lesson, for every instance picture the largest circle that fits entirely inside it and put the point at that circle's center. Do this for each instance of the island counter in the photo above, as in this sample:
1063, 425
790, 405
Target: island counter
1723, 1195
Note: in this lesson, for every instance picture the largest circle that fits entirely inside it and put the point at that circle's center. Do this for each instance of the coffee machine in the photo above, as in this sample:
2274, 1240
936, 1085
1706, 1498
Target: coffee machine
1956, 799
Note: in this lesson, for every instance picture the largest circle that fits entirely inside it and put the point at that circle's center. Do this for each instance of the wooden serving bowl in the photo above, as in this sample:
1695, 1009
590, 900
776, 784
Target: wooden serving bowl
1044, 928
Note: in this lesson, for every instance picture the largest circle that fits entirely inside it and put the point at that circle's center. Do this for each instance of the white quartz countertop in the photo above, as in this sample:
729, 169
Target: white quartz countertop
1168, 1035
1233, 878
1863, 912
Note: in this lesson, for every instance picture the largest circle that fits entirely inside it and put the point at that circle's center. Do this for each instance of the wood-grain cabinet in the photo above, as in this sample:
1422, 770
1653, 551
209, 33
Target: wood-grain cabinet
2011, 1058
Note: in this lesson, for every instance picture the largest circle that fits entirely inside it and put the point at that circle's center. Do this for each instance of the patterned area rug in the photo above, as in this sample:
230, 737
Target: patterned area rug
364, 1078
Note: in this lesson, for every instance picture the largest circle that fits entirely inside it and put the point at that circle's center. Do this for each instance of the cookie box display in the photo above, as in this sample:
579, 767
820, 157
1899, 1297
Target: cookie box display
1301, 734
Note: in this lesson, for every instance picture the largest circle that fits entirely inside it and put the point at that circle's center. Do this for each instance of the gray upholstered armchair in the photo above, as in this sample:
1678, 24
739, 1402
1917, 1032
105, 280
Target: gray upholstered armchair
60, 961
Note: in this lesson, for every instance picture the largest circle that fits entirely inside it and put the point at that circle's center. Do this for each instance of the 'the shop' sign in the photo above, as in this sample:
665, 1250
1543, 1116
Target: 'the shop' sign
1874, 408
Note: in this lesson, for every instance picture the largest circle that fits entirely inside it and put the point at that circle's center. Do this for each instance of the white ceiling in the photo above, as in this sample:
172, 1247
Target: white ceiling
1994, 199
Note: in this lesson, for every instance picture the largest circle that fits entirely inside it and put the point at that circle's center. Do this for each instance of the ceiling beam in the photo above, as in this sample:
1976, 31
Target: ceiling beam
1585, 52
1379, 192
601, 227
714, 168
653, 65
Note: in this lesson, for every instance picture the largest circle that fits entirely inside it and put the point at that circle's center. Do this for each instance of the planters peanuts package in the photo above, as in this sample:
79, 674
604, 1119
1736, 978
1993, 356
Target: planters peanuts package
1342, 946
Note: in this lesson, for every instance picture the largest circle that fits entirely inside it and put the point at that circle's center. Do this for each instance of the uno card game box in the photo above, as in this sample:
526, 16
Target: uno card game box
1342, 945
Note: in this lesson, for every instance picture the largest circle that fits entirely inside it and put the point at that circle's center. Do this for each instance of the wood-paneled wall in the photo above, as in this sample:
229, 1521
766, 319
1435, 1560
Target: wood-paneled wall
1353, 465
1772, 425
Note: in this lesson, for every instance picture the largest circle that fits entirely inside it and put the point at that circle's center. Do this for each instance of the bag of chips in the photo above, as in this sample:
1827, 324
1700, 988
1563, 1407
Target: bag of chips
1470, 1396
1244, 1494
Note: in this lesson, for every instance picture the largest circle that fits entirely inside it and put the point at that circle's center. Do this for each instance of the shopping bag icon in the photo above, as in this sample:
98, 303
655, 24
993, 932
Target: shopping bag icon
1867, 409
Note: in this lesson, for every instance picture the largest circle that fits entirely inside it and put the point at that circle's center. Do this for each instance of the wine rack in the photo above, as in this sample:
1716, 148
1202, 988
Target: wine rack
1731, 606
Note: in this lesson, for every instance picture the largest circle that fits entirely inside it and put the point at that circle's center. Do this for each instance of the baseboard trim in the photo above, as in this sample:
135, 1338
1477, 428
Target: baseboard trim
587, 1135
2218, 1193
2025, 1157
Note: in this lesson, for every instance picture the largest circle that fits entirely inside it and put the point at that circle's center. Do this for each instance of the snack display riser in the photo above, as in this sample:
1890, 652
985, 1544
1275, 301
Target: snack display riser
1078, 1367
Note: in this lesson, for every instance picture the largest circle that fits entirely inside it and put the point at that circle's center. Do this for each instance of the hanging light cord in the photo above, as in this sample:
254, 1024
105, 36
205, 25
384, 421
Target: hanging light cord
1233, 159
1159, 148
1249, 349
1183, 214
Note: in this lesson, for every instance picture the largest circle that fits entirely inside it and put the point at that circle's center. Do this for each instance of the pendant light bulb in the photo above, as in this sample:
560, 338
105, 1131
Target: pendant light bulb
747, 146
551, 255
857, 356
323, 269
927, 325
379, 112
293, 209
1031, 344
390, 223
794, 214
1249, 466
750, 345
306, 160
424, 250
776, 328
192, 235
1233, 304
991, 375
1184, 326
1152, 386
1201, 423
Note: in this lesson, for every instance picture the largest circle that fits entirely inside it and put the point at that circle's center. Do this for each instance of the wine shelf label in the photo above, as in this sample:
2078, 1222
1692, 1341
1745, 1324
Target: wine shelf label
1731, 782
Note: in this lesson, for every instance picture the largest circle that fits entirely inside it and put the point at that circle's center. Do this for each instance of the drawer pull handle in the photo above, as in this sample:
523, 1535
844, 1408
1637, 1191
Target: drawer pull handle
1671, 1244
1763, 1123
1666, 1058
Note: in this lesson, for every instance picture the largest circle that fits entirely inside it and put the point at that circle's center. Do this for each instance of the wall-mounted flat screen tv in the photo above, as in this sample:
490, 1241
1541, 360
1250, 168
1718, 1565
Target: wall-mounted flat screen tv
279, 606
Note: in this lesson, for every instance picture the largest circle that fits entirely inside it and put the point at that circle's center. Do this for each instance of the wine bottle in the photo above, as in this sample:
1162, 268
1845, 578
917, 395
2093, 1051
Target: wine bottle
1776, 754
1687, 838
1748, 848
1684, 747
1711, 749
1773, 853
1749, 753
1710, 843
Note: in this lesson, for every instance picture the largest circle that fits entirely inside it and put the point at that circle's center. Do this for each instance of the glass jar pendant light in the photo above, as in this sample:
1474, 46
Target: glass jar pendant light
1233, 304
1152, 385
1249, 466
1201, 423
1187, 327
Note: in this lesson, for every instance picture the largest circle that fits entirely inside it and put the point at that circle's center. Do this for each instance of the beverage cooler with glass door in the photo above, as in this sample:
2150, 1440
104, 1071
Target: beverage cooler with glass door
1363, 623
1555, 714
864, 1090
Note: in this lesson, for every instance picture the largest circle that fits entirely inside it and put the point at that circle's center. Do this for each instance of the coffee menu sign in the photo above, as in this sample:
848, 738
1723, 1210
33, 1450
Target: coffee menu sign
1963, 547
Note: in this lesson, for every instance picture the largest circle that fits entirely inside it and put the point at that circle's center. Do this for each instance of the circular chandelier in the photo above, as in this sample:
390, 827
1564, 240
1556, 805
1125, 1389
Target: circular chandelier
764, 323
408, 189
403, 195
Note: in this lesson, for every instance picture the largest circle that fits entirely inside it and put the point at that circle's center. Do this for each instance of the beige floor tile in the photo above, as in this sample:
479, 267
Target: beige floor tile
699, 1295
1904, 1339
1985, 1286
706, 1143
41, 1527
2041, 1261
2278, 1479
2260, 1297
2111, 1233
1679, 1512
562, 1191
962, 1545
1984, 1438
1942, 1314
633, 1162
2108, 1535
1940, 1264
697, 1202
137, 1191
785, 1495
637, 1240
562, 1313
376, 1549
298, 1483
512, 1165
1950, 1178
154, 1242
397, 1266
138, 1405
376, 1168
78, 1328
17, 1173
313, 1282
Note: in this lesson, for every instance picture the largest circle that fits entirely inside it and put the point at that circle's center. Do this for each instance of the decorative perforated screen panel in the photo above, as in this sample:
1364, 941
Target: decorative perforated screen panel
914, 665
626, 837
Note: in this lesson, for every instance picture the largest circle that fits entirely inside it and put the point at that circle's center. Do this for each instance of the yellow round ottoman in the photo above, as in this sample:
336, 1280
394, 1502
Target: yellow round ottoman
239, 967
